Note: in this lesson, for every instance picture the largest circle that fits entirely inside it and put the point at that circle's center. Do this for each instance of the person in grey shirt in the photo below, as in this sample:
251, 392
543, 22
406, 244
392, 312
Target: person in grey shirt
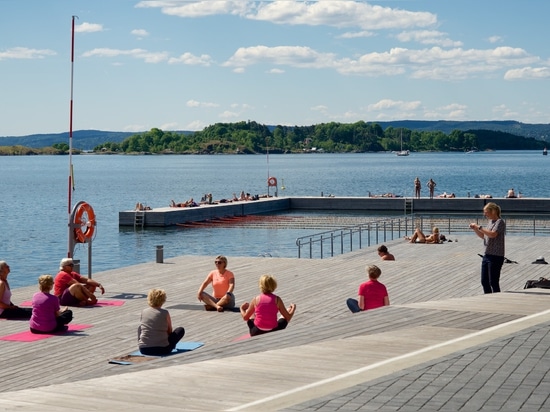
493, 239
155, 334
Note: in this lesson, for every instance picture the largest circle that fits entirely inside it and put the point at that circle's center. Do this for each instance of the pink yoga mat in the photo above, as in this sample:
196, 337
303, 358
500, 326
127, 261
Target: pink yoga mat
28, 336
99, 303
242, 337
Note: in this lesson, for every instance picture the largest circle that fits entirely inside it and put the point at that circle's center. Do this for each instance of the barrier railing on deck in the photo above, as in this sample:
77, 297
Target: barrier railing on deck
344, 240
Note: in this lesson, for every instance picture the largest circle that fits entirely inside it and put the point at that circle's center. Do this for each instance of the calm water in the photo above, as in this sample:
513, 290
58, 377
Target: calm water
34, 212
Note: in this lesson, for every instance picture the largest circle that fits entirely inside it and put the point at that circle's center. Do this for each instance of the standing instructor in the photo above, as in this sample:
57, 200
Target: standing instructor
493, 239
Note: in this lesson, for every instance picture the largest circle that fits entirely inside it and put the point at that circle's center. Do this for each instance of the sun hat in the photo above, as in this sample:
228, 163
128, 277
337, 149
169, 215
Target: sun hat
540, 260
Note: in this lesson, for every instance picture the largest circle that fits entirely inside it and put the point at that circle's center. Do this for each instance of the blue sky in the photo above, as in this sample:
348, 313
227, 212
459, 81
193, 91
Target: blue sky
184, 65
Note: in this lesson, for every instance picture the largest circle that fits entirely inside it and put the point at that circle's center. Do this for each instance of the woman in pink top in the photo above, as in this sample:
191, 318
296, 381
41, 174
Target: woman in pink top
265, 308
47, 316
223, 284
372, 294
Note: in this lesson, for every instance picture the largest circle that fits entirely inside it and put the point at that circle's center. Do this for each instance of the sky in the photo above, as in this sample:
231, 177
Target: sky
185, 65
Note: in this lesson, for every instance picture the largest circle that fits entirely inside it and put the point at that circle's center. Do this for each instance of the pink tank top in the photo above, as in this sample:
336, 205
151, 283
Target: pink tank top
266, 312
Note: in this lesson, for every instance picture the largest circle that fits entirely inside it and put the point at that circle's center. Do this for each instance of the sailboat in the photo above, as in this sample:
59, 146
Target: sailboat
545, 152
402, 152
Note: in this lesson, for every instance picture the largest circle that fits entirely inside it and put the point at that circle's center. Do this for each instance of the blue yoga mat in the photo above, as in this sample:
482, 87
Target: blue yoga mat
180, 348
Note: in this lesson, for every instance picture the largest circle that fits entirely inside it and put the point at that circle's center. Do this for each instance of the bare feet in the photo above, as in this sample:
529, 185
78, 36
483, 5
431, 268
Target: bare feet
219, 308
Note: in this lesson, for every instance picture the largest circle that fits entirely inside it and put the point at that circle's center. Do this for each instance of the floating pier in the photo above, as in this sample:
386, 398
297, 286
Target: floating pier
173, 216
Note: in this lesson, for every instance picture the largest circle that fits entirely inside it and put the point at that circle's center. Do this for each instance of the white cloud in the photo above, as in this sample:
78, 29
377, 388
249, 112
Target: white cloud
528, 73
388, 104
296, 56
275, 71
25, 53
195, 125
169, 126
229, 115
503, 112
135, 128
199, 8
146, 56
495, 39
192, 60
140, 33
341, 14
355, 35
428, 37
196, 103
88, 28
320, 108
433, 63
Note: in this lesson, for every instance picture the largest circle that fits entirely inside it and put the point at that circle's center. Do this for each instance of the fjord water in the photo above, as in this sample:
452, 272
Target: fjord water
34, 192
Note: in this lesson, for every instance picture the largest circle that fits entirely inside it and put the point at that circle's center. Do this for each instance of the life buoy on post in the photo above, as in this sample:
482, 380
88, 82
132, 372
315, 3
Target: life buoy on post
272, 181
84, 222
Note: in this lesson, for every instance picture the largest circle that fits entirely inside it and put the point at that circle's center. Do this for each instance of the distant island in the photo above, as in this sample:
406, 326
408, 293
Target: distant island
251, 137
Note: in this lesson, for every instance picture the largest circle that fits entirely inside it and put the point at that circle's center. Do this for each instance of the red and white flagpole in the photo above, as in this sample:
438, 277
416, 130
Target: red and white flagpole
71, 237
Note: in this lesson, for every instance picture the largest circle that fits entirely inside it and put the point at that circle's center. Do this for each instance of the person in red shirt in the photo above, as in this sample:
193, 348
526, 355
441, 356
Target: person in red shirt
372, 294
73, 289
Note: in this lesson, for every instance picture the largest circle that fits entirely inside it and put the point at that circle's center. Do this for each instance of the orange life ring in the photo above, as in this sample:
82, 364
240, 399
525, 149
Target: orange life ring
85, 226
272, 181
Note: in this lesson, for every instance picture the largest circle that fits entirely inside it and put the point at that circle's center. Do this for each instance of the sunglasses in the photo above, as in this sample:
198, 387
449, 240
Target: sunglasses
218, 262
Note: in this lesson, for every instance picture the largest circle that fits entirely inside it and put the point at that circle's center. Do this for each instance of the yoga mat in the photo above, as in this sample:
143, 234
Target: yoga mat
28, 336
180, 348
99, 303
200, 307
242, 337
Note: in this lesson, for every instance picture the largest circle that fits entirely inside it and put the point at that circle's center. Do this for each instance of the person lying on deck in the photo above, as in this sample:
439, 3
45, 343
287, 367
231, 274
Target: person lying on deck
189, 203
419, 237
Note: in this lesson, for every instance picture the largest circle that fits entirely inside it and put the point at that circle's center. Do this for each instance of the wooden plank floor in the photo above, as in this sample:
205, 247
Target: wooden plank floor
434, 292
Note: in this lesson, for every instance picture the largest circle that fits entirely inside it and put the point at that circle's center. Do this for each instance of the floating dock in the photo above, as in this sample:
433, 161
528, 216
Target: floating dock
172, 216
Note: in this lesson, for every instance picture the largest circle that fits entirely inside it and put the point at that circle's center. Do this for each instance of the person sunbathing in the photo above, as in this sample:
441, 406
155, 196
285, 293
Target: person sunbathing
419, 237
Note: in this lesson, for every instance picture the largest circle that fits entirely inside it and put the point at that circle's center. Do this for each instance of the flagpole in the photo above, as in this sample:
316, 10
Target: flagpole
70, 237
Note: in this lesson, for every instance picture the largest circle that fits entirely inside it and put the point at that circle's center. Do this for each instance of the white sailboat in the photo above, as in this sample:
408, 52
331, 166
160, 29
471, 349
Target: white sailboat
402, 152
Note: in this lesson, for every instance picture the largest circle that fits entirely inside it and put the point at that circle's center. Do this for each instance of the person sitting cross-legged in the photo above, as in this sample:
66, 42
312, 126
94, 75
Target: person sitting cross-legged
261, 313
155, 334
47, 315
73, 289
372, 294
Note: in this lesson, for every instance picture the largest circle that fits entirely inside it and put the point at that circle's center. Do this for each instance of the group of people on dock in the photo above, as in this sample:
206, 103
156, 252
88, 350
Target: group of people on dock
207, 199
511, 194
46, 315
264, 313
156, 336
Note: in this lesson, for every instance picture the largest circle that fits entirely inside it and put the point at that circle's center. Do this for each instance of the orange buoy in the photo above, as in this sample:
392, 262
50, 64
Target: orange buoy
84, 220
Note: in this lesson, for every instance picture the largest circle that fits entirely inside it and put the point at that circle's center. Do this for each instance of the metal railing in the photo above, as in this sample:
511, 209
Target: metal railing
339, 241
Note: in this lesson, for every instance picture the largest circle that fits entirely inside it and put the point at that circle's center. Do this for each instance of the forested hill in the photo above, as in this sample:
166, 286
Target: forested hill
90, 139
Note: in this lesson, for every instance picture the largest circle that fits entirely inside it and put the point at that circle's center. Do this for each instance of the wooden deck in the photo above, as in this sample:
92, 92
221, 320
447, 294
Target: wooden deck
437, 307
